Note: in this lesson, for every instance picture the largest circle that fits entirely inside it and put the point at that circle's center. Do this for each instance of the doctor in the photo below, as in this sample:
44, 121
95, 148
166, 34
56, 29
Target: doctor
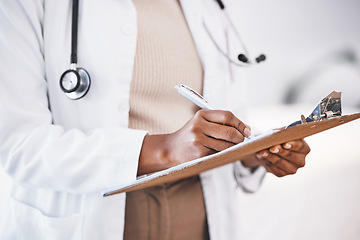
61, 153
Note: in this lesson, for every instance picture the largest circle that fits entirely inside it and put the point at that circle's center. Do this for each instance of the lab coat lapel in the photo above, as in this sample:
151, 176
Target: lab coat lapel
199, 13
112, 43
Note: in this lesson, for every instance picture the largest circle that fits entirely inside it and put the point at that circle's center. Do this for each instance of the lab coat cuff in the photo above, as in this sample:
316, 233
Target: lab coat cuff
134, 153
249, 179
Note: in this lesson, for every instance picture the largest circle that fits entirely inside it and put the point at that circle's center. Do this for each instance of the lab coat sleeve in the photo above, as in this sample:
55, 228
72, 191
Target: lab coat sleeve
34, 151
249, 180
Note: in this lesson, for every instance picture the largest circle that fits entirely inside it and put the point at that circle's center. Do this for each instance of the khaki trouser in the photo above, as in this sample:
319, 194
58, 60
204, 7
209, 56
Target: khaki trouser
173, 211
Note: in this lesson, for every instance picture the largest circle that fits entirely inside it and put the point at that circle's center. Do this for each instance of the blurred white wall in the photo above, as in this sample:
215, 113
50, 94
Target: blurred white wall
5, 185
321, 201
299, 37
305, 42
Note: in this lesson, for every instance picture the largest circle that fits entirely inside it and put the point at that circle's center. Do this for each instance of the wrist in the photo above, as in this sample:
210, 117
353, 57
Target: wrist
154, 154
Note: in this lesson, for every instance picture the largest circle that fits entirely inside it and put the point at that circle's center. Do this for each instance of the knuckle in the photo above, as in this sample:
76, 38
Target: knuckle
277, 161
286, 153
199, 114
271, 158
228, 144
241, 138
222, 146
279, 173
195, 127
227, 116
268, 164
233, 135
241, 126
302, 164
197, 141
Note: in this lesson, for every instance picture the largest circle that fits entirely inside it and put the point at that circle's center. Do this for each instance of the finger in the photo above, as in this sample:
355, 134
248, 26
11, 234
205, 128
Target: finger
299, 146
215, 144
295, 158
263, 161
282, 164
223, 132
225, 118
272, 168
198, 151
277, 171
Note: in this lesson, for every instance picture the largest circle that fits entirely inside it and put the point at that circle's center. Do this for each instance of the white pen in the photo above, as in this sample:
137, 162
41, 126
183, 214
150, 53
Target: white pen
193, 96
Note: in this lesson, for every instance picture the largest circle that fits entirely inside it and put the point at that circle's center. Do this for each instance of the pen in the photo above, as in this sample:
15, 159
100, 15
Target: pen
193, 96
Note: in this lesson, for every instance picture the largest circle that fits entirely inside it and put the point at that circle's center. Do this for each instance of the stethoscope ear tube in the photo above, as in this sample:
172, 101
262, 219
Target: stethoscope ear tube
221, 4
242, 57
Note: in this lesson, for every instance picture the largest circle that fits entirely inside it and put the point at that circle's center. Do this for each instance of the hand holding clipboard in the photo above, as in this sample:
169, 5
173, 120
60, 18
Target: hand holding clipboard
281, 160
235, 153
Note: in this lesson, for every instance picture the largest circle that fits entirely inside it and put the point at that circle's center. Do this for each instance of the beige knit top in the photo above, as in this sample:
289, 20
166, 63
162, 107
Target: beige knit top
165, 57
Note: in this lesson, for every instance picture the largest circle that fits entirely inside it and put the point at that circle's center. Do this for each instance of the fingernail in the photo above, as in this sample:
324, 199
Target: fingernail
264, 154
258, 156
274, 150
247, 126
287, 146
247, 132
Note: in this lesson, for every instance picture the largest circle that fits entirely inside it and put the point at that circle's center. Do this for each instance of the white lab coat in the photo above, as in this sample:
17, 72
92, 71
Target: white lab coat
62, 153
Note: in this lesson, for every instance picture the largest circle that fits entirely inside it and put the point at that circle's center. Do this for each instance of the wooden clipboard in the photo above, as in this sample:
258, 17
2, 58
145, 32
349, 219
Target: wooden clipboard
233, 154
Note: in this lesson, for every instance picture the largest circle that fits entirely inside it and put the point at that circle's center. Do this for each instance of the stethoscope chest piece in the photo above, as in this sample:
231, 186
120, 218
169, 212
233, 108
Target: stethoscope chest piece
75, 83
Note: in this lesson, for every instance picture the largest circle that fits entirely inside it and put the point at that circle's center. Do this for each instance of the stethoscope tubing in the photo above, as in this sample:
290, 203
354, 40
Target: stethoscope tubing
81, 88
74, 32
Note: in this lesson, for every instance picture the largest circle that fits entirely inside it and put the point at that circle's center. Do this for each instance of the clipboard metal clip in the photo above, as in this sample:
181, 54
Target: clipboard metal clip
329, 107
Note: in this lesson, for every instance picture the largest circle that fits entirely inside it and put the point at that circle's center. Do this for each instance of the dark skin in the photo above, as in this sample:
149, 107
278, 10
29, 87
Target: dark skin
210, 131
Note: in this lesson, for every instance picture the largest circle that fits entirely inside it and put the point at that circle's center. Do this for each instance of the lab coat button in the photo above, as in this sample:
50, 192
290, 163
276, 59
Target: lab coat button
128, 29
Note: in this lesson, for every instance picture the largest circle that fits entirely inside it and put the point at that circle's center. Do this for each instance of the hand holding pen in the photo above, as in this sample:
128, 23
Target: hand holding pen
280, 160
207, 132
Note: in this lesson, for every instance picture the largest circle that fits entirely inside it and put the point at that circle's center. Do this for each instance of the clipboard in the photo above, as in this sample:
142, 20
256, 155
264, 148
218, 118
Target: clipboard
233, 153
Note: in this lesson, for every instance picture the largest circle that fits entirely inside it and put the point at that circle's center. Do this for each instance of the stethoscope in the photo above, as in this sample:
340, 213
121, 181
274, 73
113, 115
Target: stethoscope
76, 81
243, 58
